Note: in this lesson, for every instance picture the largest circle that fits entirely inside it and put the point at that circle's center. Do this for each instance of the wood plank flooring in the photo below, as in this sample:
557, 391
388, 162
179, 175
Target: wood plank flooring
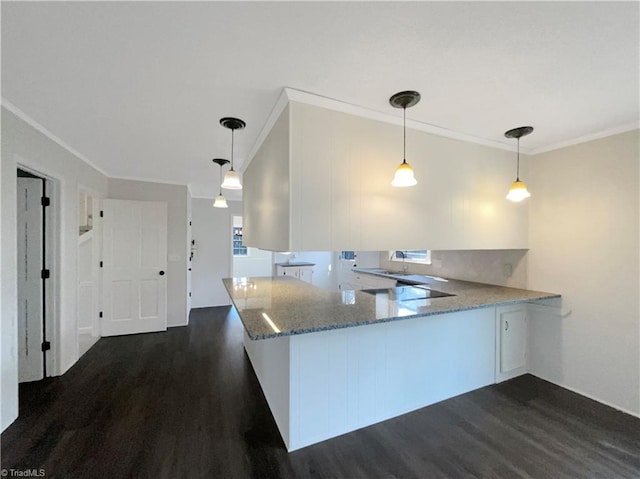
186, 404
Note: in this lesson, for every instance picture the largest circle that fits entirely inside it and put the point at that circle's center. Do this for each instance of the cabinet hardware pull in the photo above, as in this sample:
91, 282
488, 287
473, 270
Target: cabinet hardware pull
506, 325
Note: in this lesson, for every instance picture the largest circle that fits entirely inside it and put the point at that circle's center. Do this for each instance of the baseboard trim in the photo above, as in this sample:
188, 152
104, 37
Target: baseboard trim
589, 396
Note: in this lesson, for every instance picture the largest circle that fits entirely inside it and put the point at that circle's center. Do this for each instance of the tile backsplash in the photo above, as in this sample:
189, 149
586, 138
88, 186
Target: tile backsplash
499, 267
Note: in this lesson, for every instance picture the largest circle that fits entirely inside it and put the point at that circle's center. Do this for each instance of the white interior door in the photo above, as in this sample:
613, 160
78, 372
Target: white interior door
134, 267
30, 239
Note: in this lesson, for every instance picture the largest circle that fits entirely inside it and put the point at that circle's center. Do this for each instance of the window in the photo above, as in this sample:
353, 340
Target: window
348, 255
238, 248
411, 256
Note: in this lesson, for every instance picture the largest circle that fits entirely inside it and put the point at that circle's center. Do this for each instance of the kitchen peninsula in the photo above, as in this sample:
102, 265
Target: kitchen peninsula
332, 362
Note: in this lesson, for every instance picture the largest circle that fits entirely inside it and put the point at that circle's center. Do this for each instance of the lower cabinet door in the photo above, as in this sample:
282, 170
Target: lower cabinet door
511, 341
292, 271
306, 274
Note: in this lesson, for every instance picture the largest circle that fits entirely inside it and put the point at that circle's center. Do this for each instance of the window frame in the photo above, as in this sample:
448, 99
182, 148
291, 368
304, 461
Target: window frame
426, 260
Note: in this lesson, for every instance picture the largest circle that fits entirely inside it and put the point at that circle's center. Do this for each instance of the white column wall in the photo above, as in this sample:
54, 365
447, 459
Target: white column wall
584, 238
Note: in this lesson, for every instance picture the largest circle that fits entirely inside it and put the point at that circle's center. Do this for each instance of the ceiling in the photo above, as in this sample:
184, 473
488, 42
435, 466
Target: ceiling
138, 88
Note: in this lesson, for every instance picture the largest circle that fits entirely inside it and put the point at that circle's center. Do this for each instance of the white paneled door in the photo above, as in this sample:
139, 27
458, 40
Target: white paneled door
134, 267
30, 234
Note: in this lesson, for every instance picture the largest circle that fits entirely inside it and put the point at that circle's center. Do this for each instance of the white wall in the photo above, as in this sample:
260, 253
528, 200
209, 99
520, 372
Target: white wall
8, 330
176, 197
584, 215
212, 261
24, 145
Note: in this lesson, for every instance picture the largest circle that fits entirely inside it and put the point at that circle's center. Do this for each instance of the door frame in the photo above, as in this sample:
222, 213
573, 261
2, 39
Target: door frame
52, 240
95, 268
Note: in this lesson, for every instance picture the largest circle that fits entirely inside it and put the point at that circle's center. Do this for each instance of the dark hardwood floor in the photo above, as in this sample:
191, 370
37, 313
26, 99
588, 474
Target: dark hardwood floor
186, 404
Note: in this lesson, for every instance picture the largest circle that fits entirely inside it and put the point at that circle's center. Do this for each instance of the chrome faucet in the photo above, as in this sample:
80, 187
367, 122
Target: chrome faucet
404, 256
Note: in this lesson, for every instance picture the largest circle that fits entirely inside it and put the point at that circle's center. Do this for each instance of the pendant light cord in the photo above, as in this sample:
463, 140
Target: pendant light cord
404, 137
232, 130
518, 167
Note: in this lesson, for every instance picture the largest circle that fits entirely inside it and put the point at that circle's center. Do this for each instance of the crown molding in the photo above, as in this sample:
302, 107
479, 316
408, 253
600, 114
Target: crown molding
590, 137
276, 111
308, 98
149, 180
291, 94
38, 127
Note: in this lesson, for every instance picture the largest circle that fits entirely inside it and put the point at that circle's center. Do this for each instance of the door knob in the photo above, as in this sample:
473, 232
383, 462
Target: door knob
161, 273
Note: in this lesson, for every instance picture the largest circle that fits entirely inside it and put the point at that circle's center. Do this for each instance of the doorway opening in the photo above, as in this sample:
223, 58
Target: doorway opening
88, 272
34, 276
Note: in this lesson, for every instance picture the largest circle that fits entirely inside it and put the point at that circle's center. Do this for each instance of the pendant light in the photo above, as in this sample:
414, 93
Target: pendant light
221, 201
404, 173
518, 190
231, 178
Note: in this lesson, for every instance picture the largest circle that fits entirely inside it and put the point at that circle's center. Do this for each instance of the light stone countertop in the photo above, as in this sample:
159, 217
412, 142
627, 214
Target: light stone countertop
284, 306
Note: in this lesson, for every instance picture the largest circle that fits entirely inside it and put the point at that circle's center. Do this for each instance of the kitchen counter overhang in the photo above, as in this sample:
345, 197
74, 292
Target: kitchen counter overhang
368, 357
280, 306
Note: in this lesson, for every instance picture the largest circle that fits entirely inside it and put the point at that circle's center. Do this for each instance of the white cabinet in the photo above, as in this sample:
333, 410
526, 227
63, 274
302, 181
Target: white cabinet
303, 273
306, 274
511, 341
321, 182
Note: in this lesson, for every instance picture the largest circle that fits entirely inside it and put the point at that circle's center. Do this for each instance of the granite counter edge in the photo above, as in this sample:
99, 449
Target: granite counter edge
295, 332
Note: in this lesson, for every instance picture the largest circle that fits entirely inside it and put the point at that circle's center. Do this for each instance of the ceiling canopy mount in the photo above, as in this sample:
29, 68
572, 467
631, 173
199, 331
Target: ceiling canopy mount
232, 123
220, 161
405, 99
519, 132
